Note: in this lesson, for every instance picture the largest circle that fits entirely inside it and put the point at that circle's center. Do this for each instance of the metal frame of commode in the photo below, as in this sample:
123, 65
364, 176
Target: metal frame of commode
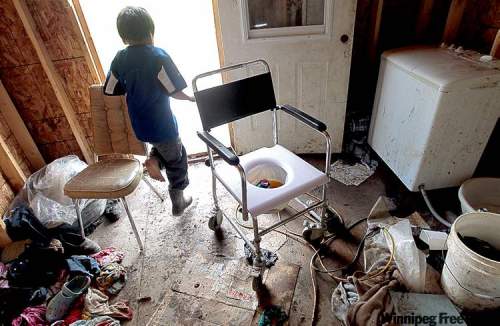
230, 157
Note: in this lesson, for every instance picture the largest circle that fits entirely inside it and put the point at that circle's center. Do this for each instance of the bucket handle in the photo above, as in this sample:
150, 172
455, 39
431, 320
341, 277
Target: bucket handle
479, 295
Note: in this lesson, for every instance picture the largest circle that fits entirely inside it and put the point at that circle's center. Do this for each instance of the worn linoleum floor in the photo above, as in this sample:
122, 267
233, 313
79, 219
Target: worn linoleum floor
171, 241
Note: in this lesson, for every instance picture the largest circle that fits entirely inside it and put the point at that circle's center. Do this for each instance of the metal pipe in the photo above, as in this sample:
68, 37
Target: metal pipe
431, 208
256, 241
215, 177
313, 214
328, 160
227, 68
132, 223
76, 202
227, 187
244, 205
328, 152
214, 174
241, 234
283, 222
275, 126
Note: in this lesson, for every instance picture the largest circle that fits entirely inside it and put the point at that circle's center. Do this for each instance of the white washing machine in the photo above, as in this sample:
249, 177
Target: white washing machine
433, 114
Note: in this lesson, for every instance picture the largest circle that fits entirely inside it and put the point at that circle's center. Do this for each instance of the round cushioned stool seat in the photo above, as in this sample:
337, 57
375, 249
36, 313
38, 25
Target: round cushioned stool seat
113, 178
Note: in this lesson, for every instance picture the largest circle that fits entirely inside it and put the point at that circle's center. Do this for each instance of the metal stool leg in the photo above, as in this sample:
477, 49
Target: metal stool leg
256, 242
76, 202
258, 264
132, 223
153, 188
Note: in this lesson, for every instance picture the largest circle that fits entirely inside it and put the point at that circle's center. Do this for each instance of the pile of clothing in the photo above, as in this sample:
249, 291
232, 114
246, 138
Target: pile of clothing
56, 277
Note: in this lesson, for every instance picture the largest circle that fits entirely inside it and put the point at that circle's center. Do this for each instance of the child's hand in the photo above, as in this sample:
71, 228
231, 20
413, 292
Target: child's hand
183, 96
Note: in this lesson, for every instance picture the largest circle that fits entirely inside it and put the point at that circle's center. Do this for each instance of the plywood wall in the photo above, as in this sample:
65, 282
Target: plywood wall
480, 24
7, 135
28, 86
6, 192
6, 195
27, 83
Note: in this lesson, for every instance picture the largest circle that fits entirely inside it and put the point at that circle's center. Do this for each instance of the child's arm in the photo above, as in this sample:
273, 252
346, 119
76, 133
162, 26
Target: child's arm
180, 95
171, 79
112, 85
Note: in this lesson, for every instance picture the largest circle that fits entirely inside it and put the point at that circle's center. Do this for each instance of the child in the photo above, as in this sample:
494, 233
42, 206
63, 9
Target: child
149, 78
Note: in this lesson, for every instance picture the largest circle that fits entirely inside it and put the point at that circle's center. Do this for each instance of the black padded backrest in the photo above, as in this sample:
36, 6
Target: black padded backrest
235, 100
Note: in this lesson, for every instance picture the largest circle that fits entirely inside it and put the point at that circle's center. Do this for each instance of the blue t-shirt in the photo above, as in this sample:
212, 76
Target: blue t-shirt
148, 76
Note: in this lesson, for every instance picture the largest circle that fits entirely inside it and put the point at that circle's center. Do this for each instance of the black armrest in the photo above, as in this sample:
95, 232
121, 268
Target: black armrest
224, 152
304, 117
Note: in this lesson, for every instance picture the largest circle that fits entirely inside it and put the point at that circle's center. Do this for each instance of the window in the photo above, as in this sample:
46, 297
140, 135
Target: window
268, 18
285, 13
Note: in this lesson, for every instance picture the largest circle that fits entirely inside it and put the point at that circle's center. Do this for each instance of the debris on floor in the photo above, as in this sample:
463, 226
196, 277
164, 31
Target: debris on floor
45, 274
273, 316
212, 284
392, 261
269, 258
351, 174
372, 305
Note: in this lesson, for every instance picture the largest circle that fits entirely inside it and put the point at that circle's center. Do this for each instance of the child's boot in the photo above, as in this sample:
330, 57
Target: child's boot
179, 201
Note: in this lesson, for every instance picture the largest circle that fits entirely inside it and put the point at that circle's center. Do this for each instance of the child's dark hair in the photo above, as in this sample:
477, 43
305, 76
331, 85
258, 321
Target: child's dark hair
135, 25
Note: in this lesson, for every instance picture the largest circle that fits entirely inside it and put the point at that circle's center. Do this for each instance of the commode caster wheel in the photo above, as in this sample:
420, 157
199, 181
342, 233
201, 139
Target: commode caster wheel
215, 221
306, 234
313, 232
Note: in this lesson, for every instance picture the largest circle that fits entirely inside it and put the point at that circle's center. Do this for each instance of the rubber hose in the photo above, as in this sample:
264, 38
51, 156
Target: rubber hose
431, 208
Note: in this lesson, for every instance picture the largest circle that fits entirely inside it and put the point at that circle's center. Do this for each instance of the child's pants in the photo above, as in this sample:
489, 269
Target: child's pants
173, 158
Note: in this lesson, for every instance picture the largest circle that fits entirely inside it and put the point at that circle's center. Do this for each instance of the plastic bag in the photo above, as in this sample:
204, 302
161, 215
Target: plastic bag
409, 260
44, 193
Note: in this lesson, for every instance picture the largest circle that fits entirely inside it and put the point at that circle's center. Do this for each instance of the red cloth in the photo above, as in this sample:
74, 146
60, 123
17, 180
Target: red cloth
32, 316
108, 256
75, 313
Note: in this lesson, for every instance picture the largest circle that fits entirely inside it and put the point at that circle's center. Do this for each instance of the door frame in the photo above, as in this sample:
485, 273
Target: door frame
220, 49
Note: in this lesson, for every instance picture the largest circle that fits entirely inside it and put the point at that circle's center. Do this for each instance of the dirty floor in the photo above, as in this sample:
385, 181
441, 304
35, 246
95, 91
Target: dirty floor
165, 284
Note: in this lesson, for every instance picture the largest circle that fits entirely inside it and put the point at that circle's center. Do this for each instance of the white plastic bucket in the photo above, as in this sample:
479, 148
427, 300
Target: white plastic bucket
480, 193
470, 280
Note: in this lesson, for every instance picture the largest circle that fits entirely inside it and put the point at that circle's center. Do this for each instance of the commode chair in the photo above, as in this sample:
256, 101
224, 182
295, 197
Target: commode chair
240, 176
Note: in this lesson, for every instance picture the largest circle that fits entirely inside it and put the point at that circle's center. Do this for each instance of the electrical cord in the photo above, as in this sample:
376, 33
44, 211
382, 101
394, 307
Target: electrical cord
358, 252
330, 239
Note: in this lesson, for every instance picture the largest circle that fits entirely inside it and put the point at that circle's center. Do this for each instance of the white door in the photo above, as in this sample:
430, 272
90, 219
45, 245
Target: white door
307, 44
